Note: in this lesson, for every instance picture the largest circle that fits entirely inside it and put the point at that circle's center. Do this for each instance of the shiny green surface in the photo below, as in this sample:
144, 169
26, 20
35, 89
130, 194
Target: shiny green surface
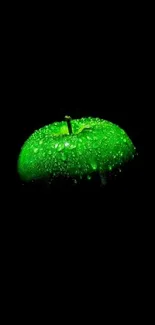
94, 145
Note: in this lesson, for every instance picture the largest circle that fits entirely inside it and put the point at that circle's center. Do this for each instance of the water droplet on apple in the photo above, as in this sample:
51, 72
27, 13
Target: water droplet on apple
72, 146
67, 144
94, 165
60, 147
35, 150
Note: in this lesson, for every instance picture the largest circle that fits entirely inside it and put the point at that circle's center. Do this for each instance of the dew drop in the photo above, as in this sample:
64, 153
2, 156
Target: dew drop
61, 147
94, 165
35, 150
95, 145
67, 144
63, 157
72, 146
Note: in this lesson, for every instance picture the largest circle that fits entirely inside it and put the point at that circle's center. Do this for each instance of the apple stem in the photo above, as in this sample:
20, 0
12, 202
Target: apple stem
68, 120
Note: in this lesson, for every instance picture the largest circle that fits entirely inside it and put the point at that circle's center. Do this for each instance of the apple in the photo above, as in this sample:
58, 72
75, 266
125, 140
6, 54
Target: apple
74, 148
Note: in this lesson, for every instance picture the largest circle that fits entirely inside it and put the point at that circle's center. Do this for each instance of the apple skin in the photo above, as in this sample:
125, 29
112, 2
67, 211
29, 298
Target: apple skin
95, 145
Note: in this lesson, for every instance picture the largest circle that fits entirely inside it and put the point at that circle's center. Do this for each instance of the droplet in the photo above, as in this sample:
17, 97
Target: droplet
35, 150
95, 145
41, 141
56, 145
67, 144
103, 179
120, 170
110, 167
89, 177
61, 147
94, 165
72, 146
63, 157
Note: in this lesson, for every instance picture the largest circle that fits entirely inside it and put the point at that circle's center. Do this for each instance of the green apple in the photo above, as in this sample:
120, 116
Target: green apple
74, 148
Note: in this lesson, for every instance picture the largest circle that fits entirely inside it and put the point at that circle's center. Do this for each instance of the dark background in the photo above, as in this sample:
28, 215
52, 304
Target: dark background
86, 67
89, 66
81, 72
97, 70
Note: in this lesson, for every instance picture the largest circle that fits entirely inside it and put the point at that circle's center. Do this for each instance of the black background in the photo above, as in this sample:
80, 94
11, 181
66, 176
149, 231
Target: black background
86, 67
95, 68
75, 77
96, 71
52, 77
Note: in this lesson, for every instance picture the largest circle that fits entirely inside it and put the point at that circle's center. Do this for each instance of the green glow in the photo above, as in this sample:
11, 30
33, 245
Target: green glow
94, 145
